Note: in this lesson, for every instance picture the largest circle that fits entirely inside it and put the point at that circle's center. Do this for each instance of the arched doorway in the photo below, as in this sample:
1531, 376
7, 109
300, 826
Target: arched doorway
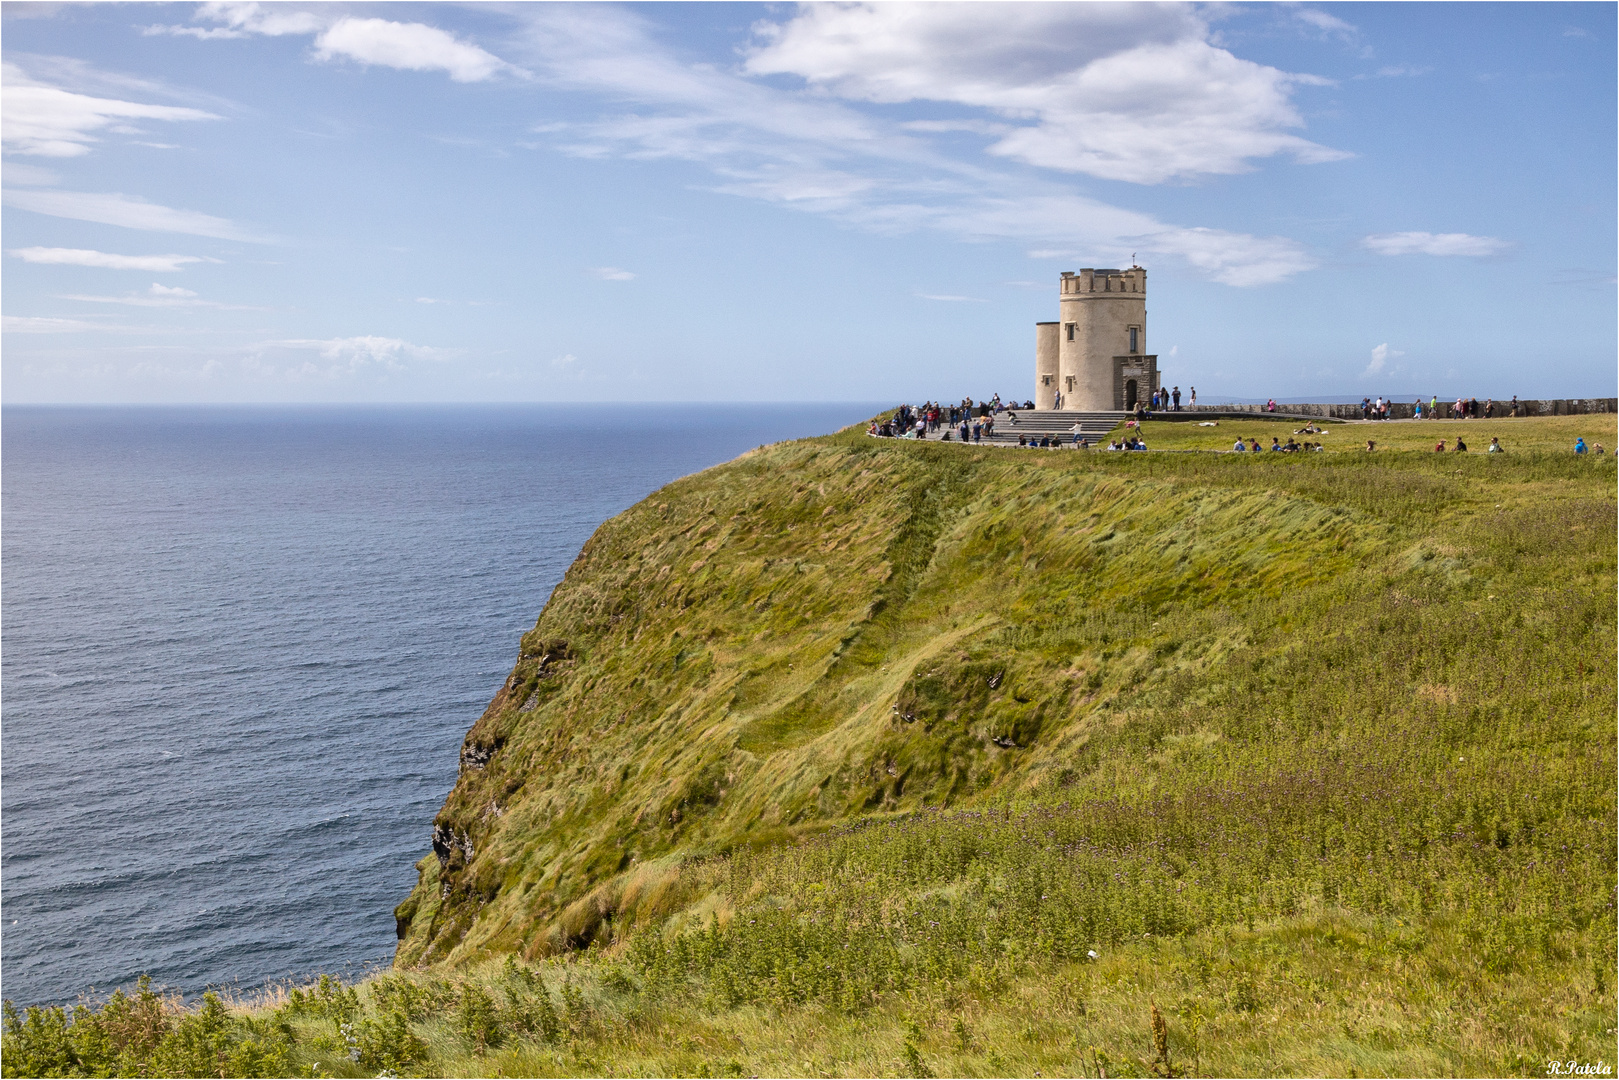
1130, 395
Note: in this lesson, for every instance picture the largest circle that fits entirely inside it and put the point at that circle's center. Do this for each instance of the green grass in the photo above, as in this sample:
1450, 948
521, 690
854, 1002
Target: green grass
842, 758
1549, 434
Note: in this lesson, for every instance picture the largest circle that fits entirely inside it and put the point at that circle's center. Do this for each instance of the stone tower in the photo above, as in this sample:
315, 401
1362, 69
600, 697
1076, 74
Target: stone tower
1095, 356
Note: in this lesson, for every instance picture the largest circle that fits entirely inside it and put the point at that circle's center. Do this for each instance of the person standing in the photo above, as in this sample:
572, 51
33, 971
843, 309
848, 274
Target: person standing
1193, 402
1175, 396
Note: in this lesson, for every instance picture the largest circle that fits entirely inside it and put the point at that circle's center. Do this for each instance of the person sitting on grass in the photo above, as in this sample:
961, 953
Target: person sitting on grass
1496, 447
1275, 443
1461, 447
1439, 447
1253, 446
1370, 445
1600, 451
1579, 445
1023, 440
1240, 447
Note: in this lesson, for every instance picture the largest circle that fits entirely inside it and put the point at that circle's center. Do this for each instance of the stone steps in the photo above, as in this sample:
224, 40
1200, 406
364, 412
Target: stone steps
1035, 423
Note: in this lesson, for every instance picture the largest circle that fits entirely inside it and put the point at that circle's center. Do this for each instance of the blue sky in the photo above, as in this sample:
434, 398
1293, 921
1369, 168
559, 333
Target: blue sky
419, 202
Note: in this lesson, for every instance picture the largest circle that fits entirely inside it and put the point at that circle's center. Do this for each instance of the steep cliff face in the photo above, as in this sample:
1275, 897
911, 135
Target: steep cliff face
839, 627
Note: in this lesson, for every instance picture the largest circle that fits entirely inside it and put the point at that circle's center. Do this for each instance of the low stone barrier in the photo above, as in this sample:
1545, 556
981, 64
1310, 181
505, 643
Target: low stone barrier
1402, 410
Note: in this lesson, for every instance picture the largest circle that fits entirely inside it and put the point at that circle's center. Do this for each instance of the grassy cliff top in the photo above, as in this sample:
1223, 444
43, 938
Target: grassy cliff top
868, 757
844, 628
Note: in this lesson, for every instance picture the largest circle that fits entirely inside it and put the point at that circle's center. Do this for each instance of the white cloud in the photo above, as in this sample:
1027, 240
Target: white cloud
1397, 71
409, 46
1125, 92
807, 151
1326, 25
1427, 243
564, 362
345, 356
611, 273
128, 212
201, 33
48, 121
273, 20
27, 324
159, 264
157, 297
1381, 355
20, 172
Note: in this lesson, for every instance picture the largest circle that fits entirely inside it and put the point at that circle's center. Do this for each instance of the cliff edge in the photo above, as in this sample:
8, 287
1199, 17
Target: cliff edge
846, 627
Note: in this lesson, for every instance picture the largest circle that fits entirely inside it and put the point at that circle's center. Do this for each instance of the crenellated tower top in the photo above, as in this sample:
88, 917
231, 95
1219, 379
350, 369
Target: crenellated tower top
1092, 282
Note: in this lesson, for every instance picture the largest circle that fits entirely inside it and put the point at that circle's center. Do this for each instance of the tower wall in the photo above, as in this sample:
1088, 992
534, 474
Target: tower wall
1098, 308
1045, 364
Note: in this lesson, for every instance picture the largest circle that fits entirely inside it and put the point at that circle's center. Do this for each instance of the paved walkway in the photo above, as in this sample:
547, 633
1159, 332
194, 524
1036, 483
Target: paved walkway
1037, 422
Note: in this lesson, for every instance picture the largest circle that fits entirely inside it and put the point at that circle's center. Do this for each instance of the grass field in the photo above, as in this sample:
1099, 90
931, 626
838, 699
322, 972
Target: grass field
868, 757
1549, 434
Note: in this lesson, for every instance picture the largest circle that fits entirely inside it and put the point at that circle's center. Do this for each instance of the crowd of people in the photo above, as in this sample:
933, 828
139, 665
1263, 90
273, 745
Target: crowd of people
1291, 446
972, 421
1468, 408
1170, 400
965, 421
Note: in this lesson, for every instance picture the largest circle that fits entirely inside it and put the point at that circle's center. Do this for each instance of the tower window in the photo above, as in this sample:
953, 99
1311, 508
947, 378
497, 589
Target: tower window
1070, 331
1135, 339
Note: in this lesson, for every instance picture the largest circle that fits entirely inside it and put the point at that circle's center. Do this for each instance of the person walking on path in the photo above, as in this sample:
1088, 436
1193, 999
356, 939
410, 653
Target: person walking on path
1194, 397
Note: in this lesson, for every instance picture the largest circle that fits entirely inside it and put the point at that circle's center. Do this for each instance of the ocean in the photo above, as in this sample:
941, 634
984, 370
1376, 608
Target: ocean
241, 646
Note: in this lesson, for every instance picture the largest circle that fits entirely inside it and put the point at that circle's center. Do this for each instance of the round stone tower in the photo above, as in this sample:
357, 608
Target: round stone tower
1102, 358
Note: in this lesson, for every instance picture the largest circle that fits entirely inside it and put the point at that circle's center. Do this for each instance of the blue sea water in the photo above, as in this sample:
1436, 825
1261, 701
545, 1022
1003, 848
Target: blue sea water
241, 647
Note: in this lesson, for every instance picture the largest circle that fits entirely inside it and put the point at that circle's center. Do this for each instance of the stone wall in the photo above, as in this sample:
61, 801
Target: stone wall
1401, 410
